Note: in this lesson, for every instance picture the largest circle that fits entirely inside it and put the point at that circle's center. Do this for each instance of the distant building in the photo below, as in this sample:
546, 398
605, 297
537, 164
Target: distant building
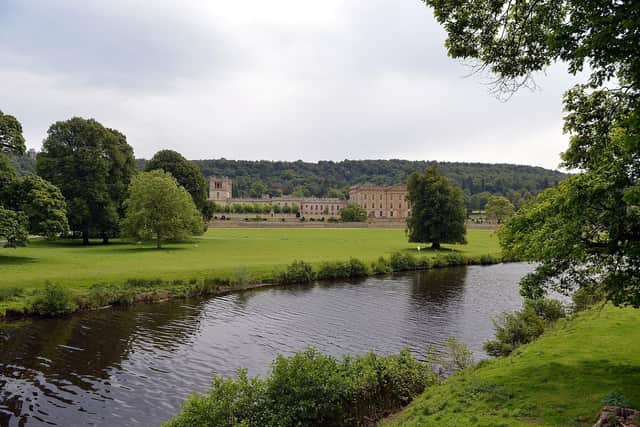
384, 202
381, 201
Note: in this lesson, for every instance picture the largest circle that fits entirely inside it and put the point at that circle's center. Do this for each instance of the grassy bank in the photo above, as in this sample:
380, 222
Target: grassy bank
219, 259
562, 379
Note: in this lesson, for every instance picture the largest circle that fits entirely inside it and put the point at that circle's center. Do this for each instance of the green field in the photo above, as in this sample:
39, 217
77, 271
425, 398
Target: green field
218, 252
561, 379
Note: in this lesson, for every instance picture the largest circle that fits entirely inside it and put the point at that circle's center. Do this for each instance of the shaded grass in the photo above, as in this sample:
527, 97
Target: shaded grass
562, 379
219, 253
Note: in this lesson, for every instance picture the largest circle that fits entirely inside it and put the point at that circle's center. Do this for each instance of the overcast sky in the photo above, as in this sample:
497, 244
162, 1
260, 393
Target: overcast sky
277, 80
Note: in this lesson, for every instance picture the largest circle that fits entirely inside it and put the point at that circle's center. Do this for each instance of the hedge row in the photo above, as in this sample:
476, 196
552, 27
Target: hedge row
55, 300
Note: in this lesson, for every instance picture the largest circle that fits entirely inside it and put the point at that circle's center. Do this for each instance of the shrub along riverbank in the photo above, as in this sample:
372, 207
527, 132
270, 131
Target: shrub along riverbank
563, 378
223, 260
55, 300
311, 389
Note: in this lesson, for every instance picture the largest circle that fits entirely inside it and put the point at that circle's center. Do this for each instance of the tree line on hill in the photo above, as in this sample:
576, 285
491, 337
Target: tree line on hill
478, 181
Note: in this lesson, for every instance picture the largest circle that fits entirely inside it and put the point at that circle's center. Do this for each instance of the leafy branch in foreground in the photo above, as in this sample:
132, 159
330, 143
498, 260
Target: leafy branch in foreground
586, 232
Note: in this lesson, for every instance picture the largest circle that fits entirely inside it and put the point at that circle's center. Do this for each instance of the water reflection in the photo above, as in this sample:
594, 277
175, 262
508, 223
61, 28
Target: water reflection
136, 365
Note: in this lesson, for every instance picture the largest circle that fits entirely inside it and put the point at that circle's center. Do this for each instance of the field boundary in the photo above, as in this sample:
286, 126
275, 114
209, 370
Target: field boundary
134, 291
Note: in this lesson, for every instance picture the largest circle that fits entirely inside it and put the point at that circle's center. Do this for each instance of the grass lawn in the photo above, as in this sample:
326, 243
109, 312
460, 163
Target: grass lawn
558, 380
218, 252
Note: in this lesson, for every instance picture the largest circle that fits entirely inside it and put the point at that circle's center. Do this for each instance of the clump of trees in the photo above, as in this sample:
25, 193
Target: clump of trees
437, 210
353, 213
159, 208
187, 175
29, 204
92, 165
585, 231
84, 175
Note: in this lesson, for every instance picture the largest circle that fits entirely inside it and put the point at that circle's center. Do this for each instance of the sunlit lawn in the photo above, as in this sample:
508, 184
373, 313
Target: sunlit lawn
218, 252
562, 379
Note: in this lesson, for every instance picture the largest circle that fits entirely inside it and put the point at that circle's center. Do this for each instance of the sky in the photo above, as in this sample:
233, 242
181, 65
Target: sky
278, 80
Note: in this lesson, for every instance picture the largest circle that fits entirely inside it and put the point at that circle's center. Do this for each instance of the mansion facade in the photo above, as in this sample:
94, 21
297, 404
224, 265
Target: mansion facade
380, 202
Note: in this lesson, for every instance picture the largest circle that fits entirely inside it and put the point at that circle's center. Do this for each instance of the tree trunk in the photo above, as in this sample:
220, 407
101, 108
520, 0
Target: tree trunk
105, 239
85, 237
435, 245
158, 242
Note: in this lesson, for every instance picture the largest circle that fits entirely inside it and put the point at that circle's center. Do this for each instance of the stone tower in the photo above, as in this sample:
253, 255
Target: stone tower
219, 188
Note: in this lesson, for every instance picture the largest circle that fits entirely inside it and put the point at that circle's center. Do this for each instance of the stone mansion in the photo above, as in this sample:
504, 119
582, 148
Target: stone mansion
380, 202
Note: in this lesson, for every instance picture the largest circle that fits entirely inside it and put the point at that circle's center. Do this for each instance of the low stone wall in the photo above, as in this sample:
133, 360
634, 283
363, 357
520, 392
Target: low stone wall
301, 224
292, 222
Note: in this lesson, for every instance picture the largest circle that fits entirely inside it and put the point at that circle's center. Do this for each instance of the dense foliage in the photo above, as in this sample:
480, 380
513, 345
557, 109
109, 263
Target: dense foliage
523, 326
353, 213
159, 208
13, 227
499, 208
184, 171
92, 166
28, 204
332, 179
311, 389
11, 138
437, 209
585, 232
42, 203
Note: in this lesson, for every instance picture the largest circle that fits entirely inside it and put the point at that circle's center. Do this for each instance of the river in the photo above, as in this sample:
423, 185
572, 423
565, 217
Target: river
136, 365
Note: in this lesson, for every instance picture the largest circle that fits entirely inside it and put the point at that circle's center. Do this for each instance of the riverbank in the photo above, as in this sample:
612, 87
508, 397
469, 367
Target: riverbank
123, 273
563, 378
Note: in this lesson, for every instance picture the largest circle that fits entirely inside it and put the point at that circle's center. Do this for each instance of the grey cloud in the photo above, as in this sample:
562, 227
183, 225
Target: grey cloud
372, 81
140, 51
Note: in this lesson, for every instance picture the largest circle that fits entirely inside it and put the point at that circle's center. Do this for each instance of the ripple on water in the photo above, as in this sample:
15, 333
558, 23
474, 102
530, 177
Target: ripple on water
135, 366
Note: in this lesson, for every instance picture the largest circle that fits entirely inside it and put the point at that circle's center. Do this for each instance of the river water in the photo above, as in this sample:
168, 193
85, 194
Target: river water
136, 365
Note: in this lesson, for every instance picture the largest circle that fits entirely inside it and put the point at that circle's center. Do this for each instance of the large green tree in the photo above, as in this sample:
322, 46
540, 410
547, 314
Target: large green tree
11, 139
42, 203
499, 208
437, 209
92, 166
13, 227
586, 232
185, 172
28, 205
159, 208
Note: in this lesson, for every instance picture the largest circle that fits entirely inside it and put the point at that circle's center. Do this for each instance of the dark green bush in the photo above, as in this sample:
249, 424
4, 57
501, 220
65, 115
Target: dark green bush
342, 270
546, 308
333, 271
454, 259
357, 268
488, 260
7, 294
53, 301
423, 263
296, 272
521, 327
584, 297
311, 389
381, 266
401, 261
